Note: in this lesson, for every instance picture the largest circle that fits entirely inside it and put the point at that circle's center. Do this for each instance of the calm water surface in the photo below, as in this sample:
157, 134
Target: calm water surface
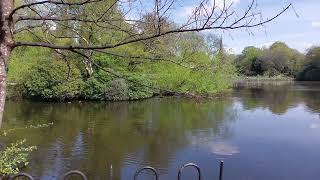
262, 133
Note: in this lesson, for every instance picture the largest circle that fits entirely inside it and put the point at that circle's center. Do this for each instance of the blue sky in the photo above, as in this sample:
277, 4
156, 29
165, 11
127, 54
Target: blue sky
298, 32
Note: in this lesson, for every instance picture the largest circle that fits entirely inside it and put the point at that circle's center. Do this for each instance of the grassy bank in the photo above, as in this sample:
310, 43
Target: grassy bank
261, 81
263, 78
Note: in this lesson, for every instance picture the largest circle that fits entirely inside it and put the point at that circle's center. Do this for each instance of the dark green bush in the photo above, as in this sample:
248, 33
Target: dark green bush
309, 74
96, 86
311, 71
139, 88
103, 87
53, 80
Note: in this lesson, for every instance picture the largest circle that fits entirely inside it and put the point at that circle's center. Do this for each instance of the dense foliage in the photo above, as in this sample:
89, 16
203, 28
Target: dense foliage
188, 63
13, 157
53, 79
311, 70
187, 66
278, 60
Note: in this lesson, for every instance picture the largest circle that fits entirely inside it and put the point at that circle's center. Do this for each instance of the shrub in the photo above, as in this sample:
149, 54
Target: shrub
53, 80
103, 87
93, 89
139, 88
13, 157
309, 73
117, 90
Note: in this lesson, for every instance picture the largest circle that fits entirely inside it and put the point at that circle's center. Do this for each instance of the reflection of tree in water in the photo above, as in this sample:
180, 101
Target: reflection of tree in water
216, 140
179, 119
93, 136
279, 98
312, 101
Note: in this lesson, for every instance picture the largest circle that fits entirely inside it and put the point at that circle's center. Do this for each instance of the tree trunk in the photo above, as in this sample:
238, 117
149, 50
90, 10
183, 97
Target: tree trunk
88, 63
5, 49
3, 78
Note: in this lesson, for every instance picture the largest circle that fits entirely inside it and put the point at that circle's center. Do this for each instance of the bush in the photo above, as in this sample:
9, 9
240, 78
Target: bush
22, 60
95, 87
310, 73
53, 80
103, 87
13, 157
117, 90
139, 88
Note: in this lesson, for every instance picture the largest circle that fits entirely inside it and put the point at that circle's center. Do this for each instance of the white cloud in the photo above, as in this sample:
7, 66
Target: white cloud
266, 44
188, 10
235, 50
220, 3
307, 45
315, 24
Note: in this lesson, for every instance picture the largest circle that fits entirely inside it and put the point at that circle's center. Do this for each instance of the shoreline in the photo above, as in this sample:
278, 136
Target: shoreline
238, 82
14, 96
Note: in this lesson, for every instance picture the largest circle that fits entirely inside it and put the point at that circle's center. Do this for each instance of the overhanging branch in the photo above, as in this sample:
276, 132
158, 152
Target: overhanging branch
232, 26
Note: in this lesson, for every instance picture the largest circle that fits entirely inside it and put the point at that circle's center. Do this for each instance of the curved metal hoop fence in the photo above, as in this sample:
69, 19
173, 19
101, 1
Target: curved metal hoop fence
146, 168
20, 175
189, 165
136, 174
75, 172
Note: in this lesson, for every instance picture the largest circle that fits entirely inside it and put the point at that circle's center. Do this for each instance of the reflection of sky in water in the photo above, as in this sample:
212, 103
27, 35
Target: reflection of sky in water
223, 148
54, 162
259, 134
217, 147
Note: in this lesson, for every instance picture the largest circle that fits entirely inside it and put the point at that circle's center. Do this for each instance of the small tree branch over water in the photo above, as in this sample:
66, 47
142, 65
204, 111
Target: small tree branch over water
86, 27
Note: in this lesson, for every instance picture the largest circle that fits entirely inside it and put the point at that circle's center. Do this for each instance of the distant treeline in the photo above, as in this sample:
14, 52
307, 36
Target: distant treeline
279, 59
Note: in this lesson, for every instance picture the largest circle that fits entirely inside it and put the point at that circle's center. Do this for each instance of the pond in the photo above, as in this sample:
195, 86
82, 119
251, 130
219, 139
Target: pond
265, 132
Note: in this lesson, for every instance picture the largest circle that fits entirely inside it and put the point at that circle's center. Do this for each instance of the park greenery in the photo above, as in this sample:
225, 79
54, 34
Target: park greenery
193, 64
279, 60
58, 59
311, 69
185, 64
14, 157
201, 66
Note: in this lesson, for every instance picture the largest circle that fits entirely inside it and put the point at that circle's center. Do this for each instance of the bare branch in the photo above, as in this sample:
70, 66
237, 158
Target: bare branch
55, 2
143, 38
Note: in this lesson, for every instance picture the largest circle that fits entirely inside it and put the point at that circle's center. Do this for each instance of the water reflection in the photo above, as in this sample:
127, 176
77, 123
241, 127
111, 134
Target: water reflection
94, 136
279, 98
251, 130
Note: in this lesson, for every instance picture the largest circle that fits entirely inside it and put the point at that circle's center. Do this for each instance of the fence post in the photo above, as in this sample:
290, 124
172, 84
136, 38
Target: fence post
221, 170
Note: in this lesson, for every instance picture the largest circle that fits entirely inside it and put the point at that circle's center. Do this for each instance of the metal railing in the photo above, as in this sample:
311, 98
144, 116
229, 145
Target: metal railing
136, 174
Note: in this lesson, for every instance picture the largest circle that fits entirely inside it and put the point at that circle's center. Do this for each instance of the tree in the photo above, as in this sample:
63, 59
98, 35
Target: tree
68, 25
311, 70
281, 59
277, 59
248, 62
